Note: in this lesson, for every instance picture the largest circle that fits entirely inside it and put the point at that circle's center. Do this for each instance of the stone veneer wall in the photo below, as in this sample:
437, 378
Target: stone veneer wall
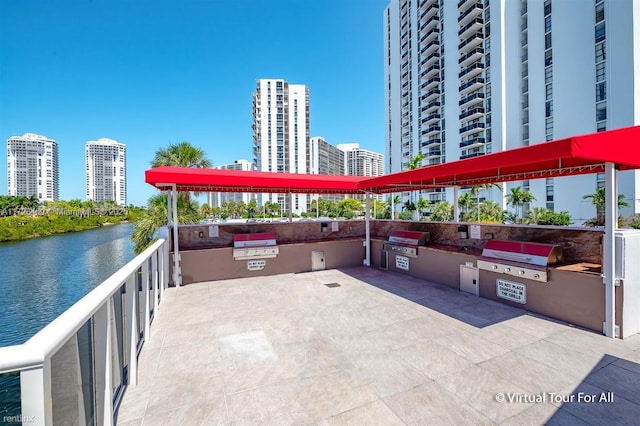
578, 244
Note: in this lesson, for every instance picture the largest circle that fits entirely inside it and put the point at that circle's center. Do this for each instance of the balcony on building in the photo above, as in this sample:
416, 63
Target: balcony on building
429, 22
470, 56
432, 106
429, 71
434, 152
472, 70
429, 47
430, 84
471, 155
431, 142
473, 142
433, 129
429, 11
471, 128
474, 25
431, 35
432, 118
462, 4
430, 94
472, 113
470, 42
473, 11
470, 100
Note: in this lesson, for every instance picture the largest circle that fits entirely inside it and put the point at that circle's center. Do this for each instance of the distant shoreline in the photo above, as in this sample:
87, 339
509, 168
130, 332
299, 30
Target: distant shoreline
20, 228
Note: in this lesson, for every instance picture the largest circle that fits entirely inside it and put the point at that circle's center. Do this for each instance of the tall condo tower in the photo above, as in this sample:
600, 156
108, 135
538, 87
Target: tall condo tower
106, 167
281, 134
471, 77
32, 167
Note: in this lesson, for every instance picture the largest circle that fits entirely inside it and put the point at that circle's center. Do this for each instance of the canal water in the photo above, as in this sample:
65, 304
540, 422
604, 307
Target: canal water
42, 277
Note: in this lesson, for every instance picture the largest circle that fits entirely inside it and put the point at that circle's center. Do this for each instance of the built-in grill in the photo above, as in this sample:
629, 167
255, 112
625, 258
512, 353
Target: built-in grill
406, 242
521, 259
260, 245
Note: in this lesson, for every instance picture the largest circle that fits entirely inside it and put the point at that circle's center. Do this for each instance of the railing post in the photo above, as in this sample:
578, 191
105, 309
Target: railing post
165, 268
147, 303
102, 356
131, 329
35, 388
154, 278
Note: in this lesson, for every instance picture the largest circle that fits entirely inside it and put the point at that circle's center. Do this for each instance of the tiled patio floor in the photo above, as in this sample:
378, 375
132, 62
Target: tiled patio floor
380, 349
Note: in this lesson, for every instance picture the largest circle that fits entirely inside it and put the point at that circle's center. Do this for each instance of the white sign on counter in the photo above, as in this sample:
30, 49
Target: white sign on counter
402, 262
214, 231
334, 226
256, 265
509, 290
474, 230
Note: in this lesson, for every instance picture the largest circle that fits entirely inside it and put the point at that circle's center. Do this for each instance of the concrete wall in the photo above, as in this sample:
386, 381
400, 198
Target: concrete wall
218, 264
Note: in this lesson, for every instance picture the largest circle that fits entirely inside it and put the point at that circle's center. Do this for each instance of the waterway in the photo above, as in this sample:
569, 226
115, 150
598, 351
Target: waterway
40, 278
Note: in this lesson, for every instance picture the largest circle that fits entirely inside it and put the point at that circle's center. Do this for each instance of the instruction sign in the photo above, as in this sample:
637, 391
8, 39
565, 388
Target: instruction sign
509, 290
214, 231
402, 262
256, 265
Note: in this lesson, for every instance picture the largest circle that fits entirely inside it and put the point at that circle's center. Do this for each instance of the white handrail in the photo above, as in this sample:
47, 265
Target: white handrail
54, 335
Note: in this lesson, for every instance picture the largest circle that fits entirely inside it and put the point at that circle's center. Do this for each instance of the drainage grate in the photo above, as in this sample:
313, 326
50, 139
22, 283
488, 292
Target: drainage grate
332, 285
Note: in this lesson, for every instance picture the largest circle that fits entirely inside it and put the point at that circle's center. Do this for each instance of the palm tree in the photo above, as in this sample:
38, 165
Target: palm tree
146, 226
252, 207
414, 163
466, 203
517, 199
182, 154
396, 201
475, 190
422, 205
442, 212
598, 199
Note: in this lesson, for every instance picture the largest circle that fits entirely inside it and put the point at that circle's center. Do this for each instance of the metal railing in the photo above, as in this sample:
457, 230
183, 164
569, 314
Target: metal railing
75, 370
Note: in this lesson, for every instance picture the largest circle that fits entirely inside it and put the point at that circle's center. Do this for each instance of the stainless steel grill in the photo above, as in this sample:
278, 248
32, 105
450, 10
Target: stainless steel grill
521, 259
254, 246
406, 242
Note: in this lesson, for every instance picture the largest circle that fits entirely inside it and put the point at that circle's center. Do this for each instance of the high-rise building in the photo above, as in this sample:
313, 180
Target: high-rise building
506, 74
106, 169
281, 134
216, 199
361, 162
32, 167
324, 158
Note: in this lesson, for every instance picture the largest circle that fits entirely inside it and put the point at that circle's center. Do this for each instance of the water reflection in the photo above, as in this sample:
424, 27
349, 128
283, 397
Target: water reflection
42, 277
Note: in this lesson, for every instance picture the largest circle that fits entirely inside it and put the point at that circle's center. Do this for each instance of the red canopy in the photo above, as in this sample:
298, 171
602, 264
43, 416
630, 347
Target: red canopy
218, 180
564, 157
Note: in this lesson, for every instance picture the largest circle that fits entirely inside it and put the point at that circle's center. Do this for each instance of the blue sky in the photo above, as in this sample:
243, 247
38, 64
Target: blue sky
152, 73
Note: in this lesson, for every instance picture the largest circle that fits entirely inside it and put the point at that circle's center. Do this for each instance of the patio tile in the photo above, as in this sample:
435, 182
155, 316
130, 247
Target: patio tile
433, 359
431, 401
478, 388
375, 413
288, 350
471, 346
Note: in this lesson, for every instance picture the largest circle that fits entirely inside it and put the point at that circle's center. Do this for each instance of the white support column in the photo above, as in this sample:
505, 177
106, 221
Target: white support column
291, 207
367, 229
456, 208
35, 386
131, 328
177, 273
102, 358
609, 260
147, 303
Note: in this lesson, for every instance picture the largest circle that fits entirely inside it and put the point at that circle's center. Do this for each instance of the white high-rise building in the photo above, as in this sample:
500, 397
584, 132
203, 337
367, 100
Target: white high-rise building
281, 134
106, 169
505, 74
361, 162
32, 167
217, 198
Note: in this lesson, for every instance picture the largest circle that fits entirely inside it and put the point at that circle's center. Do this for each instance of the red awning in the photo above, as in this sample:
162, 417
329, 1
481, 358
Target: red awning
564, 157
217, 180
